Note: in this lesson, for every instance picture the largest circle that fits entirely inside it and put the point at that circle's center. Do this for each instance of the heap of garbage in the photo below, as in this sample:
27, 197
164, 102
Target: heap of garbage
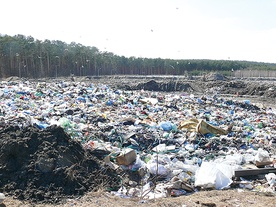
151, 144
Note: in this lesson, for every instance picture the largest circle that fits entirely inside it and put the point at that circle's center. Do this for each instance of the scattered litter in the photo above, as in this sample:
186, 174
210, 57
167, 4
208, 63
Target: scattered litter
148, 144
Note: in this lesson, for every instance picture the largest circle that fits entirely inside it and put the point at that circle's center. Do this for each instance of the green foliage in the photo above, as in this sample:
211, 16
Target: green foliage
27, 57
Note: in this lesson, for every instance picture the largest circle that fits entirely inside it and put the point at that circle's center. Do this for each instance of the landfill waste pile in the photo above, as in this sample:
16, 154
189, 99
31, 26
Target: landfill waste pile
66, 138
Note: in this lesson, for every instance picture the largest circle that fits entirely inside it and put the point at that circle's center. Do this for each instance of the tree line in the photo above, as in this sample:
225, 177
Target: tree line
25, 56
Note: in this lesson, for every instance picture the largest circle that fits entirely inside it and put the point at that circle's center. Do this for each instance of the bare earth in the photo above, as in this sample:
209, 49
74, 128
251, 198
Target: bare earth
223, 198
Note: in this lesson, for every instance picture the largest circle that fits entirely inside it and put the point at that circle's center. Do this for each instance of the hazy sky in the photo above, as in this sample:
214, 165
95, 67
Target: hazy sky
176, 29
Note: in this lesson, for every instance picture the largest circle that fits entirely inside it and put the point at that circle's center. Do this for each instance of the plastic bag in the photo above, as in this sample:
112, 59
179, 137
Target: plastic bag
209, 176
166, 126
262, 156
157, 168
271, 179
138, 164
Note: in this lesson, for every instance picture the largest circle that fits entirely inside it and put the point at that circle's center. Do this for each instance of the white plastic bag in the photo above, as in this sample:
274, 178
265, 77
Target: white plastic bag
262, 156
157, 169
209, 176
271, 179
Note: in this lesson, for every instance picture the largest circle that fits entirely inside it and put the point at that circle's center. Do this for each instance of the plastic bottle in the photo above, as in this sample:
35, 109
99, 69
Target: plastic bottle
177, 192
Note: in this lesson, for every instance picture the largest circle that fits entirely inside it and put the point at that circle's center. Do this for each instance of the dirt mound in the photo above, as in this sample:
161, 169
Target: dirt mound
215, 77
47, 165
261, 89
169, 86
151, 85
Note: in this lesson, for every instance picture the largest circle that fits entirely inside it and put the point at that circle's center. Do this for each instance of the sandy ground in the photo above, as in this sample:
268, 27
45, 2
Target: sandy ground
214, 198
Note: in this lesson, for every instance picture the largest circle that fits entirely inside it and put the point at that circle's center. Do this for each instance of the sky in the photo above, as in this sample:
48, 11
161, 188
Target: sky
174, 29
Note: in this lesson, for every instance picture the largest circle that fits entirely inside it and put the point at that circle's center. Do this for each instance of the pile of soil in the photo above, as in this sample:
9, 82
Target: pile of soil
215, 77
169, 86
48, 166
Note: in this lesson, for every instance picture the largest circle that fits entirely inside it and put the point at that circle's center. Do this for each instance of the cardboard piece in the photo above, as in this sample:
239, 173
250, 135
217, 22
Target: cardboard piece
126, 157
